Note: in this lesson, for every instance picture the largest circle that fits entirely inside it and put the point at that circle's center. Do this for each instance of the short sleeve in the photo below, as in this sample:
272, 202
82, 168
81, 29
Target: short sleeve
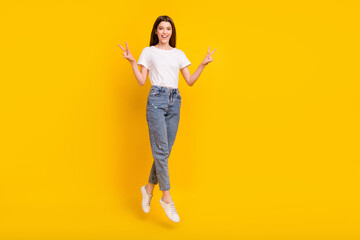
144, 59
184, 61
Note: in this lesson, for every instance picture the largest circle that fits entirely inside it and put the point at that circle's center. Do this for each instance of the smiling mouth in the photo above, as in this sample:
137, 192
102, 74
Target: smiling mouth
164, 36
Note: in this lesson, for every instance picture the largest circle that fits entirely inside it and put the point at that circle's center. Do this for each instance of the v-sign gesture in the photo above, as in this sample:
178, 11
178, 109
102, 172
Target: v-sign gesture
127, 53
208, 57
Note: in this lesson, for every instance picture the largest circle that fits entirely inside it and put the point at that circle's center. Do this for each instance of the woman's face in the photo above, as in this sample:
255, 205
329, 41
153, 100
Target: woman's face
164, 32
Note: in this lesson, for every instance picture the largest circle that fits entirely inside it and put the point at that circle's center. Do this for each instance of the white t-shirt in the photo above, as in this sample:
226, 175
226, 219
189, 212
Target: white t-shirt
163, 65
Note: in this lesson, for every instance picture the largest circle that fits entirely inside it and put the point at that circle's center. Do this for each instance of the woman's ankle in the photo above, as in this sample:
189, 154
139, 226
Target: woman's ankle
149, 189
166, 199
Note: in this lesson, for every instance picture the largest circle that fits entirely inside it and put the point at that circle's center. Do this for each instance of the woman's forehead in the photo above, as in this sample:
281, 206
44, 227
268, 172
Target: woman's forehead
164, 24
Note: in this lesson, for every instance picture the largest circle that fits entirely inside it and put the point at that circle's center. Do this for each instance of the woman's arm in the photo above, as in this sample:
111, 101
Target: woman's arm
191, 79
140, 76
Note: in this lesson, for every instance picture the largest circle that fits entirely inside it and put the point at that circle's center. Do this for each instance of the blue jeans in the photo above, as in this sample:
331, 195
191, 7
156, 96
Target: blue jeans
162, 116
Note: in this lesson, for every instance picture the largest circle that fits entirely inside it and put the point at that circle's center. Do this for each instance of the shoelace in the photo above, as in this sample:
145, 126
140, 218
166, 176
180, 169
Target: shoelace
148, 199
172, 208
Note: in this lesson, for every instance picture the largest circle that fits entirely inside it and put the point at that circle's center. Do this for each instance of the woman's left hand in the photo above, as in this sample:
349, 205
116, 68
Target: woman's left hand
208, 57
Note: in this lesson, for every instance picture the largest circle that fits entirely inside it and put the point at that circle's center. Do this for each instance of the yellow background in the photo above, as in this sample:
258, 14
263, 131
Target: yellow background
268, 141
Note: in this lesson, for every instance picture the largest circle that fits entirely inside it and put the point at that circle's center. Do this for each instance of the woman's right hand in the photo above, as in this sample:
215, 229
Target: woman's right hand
127, 53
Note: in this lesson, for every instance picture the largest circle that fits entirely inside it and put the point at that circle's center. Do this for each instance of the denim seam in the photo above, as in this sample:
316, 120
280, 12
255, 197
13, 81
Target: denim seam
162, 188
152, 145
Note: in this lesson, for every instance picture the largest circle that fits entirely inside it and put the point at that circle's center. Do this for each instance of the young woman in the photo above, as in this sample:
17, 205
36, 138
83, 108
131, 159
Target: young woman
163, 61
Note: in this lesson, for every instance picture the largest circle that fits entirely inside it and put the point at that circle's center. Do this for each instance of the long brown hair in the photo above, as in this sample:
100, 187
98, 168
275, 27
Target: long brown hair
154, 38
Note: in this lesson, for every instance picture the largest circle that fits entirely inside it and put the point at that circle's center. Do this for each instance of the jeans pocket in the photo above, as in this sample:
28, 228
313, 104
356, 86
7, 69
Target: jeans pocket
178, 96
155, 92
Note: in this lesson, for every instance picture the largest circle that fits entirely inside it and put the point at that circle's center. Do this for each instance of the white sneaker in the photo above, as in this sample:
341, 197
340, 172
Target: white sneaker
170, 210
146, 199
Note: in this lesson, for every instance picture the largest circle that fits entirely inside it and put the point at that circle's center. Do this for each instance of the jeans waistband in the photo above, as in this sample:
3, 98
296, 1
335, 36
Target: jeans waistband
165, 89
